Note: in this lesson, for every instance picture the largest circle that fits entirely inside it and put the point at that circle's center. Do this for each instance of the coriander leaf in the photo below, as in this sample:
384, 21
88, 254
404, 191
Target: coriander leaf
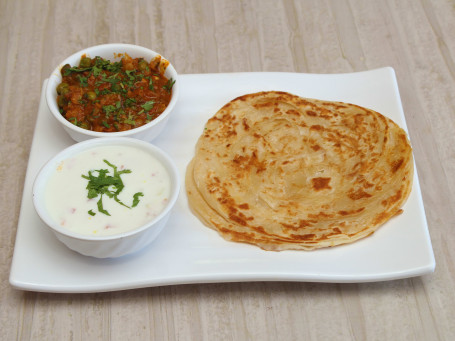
67, 71
129, 121
92, 193
130, 74
111, 165
91, 213
96, 70
114, 67
100, 206
105, 64
147, 106
111, 79
83, 81
100, 183
129, 102
109, 109
136, 198
168, 86
74, 121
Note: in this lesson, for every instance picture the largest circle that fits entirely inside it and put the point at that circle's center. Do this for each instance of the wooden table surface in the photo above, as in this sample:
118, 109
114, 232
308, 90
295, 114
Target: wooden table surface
415, 37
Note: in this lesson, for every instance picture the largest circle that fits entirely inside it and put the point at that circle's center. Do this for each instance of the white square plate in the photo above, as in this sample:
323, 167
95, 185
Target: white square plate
189, 252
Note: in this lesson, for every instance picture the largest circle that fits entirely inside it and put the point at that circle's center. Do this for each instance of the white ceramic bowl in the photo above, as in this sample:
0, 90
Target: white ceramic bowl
146, 132
115, 245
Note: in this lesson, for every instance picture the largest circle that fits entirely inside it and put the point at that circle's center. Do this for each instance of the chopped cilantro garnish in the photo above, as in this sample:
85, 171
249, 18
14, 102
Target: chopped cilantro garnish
129, 120
109, 185
147, 106
114, 67
105, 64
136, 198
101, 209
74, 121
67, 71
130, 74
129, 102
110, 109
168, 86
96, 70
82, 81
110, 79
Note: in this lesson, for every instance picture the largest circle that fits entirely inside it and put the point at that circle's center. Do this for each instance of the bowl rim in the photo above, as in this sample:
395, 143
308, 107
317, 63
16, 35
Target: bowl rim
46, 170
55, 78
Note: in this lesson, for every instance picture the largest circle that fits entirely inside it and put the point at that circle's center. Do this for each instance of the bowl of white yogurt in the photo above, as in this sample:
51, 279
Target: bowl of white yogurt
107, 197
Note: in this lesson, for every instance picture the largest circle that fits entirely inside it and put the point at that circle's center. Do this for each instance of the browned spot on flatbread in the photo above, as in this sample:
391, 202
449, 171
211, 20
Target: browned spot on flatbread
358, 194
320, 183
397, 164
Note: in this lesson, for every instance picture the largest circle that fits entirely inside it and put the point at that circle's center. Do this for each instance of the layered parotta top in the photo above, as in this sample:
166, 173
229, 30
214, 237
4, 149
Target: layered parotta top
284, 172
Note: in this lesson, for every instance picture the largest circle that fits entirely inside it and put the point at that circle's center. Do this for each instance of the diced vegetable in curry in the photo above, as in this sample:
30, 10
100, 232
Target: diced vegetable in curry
106, 96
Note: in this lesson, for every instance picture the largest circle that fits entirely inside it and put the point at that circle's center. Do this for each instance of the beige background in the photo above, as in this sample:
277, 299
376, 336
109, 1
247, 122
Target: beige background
415, 37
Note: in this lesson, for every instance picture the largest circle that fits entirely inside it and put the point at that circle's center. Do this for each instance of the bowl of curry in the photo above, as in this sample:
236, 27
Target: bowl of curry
113, 90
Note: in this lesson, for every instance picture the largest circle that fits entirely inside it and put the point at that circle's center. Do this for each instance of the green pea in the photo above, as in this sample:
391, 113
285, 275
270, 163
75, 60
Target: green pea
85, 62
91, 95
64, 69
63, 88
61, 101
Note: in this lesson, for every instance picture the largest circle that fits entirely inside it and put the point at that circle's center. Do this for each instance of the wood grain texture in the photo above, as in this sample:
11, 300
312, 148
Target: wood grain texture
415, 37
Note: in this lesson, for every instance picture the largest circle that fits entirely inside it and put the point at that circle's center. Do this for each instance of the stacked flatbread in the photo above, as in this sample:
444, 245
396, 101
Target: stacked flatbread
284, 172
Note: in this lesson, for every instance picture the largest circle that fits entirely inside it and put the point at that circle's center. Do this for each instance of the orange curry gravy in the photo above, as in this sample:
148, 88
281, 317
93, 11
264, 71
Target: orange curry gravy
106, 96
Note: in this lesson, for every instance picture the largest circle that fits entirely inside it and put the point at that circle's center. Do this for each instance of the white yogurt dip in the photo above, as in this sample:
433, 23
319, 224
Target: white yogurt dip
66, 191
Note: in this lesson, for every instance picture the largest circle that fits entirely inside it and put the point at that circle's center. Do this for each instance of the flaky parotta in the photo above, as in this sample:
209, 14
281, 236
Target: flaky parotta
284, 172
